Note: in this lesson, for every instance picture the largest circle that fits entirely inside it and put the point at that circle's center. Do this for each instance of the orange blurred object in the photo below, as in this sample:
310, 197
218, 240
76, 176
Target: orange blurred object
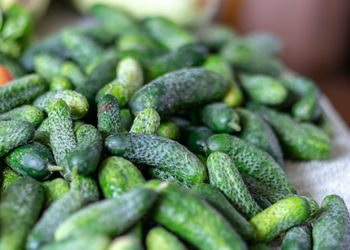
5, 76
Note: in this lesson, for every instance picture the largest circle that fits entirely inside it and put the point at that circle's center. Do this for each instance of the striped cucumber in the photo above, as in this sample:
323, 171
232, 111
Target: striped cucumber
27, 113
146, 122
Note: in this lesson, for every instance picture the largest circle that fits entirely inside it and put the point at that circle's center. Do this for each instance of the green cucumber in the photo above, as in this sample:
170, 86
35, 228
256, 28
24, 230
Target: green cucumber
264, 43
191, 218
179, 90
280, 216
117, 176
109, 217
134, 42
126, 120
159, 152
259, 246
224, 175
87, 186
166, 33
21, 91
215, 36
54, 190
42, 134
197, 139
264, 65
77, 103
217, 200
159, 238
263, 89
108, 115
7, 177
62, 138
84, 159
186, 56
27, 113
15, 69
300, 141
48, 66
146, 122
252, 161
331, 229
34, 160
60, 83
43, 231
169, 130
14, 134
126, 242
73, 73
97, 33
86, 242
220, 118
297, 238
257, 132
19, 209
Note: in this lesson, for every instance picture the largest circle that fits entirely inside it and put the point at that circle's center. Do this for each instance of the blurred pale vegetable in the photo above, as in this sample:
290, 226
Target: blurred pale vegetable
36, 8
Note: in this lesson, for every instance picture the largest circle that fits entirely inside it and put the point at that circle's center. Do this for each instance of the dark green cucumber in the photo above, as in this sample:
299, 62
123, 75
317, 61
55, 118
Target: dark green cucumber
97, 33
159, 238
300, 141
108, 115
77, 103
48, 66
169, 130
217, 200
224, 175
263, 43
257, 132
19, 209
166, 33
54, 190
21, 91
259, 246
126, 242
34, 160
146, 122
332, 228
44, 230
62, 138
280, 216
85, 158
252, 161
73, 73
220, 118
186, 56
7, 177
263, 89
15, 69
59, 83
191, 218
197, 139
297, 238
87, 186
144, 56
86, 241
109, 217
117, 176
14, 134
27, 113
179, 90
264, 65
215, 36
159, 152
42, 133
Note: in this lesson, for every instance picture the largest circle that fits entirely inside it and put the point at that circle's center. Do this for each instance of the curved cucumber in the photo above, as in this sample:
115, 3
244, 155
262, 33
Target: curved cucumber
27, 113
297, 238
146, 122
179, 90
117, 176
54, 190
159, 238
224, 175
108, 115
159, 152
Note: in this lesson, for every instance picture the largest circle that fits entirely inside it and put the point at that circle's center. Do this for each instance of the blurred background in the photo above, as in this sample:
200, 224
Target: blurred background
315, 33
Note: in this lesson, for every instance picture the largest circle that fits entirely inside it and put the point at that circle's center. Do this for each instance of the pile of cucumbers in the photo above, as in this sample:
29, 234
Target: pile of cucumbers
139, 134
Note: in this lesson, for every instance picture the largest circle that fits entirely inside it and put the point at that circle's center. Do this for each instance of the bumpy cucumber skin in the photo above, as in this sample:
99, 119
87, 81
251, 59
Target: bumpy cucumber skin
220, 118
130, 72
224, 175
77, 103
146, 122
14, 134
169, 130
332, 228
252, 161
109, 217
197, 139
159, 238
217, 200
280, 216
178, 90
62, 137
166, 33
166, 154
297, 238
87, 242
19, 210
85, 158
108, 115
189, 55
117, 176
54, 190
27, 113
87, 186
59, 83
31, 160
126, 242
299, 141
44, 230
7, 177
48, 66
257, 132
21, 91
263, 89
192, 219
